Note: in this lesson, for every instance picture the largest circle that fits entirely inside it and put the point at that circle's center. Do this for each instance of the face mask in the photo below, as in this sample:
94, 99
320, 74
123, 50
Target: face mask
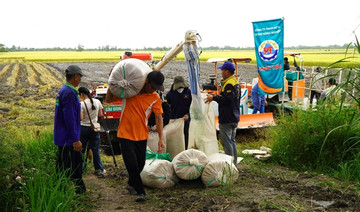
180, 90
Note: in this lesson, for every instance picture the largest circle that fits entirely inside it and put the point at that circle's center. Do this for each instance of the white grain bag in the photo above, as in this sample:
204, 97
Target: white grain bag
189, 164
202, 130
128, 77
158, 174
153, 141
220, 170
175, 139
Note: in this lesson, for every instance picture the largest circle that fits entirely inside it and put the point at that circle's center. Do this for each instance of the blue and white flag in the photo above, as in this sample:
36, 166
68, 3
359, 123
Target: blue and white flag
269, 51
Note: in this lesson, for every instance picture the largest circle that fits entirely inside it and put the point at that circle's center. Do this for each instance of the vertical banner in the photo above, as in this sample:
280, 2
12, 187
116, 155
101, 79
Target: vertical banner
269, 51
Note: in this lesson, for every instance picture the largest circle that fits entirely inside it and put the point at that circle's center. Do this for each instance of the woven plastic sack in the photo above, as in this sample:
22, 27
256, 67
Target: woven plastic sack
189, 164
158, 174
175, 139
220, 170
153, 141
128, 77
202, 130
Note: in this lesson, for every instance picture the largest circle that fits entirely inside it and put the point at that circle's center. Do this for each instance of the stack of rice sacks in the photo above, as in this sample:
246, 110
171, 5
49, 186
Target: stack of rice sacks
214, 170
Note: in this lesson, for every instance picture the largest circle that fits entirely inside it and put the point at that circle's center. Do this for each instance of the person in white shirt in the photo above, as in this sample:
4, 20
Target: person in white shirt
91, 109
328, 91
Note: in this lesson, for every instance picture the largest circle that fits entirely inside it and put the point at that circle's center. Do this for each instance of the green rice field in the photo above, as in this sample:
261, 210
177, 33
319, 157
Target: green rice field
312, 57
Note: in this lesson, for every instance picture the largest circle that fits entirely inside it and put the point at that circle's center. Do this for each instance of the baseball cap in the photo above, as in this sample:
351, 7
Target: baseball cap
74, 69
228, 66
156, 79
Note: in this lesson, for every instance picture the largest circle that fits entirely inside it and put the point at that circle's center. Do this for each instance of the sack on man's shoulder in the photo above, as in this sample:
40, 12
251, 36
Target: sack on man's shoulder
95, 127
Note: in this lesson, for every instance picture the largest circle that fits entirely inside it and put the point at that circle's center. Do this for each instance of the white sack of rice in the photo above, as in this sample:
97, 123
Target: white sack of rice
158, 174
220, 170
153, 141
128, 77
175, 137
189, 164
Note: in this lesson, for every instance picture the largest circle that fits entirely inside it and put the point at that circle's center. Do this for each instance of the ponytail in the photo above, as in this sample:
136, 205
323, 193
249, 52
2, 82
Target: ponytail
87, 93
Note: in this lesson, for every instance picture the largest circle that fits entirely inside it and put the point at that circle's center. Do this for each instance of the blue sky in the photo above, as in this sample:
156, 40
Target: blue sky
143, 23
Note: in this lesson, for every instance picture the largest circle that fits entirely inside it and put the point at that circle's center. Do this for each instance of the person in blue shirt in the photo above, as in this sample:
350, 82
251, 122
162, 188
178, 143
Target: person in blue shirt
229, 108
67, 129
179, 98
259, 100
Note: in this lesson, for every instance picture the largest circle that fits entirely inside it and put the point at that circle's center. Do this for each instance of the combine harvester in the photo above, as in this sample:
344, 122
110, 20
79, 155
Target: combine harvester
247, 120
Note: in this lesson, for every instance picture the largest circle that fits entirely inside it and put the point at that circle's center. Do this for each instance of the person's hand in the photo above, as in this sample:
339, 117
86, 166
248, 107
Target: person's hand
266, 103
77, 146
186, 117
161, 146
209, 98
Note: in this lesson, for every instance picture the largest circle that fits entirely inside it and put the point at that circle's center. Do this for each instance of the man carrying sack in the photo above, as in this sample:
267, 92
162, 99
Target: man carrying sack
133, 131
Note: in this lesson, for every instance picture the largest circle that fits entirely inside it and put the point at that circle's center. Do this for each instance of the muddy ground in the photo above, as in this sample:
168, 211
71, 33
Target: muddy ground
260, 186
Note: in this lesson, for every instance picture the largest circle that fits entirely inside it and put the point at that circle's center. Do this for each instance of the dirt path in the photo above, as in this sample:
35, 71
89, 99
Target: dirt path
260, 187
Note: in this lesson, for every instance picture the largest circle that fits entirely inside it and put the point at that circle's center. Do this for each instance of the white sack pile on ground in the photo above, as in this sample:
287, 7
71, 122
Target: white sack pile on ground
158, 174
189, 164
128, 77
220, 170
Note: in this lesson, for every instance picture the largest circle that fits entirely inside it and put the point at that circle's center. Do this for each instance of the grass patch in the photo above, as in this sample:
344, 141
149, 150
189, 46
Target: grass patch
29, 157
326, 139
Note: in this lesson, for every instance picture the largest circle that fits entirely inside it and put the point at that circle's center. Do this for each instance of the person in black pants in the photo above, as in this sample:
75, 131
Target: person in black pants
67, 129
133, 130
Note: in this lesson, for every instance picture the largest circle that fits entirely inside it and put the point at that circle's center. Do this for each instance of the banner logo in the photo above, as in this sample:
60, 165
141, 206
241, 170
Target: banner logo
268, 50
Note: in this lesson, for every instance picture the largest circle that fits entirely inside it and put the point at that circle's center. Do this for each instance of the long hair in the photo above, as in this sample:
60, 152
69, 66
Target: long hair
87, 93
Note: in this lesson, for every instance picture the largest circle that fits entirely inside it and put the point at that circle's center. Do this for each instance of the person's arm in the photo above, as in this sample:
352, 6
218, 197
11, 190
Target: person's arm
100, 113
69, 106
159, 129
109, 96
167, 112
82, 110
323, 94
227, 95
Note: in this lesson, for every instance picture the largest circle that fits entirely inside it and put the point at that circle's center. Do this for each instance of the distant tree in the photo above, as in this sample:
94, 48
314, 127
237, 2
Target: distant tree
3, 48
80, 48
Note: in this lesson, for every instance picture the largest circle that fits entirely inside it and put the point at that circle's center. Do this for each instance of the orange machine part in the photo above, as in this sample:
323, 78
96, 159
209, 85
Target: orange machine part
248, 86
252, 120
140, 56
300, 89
